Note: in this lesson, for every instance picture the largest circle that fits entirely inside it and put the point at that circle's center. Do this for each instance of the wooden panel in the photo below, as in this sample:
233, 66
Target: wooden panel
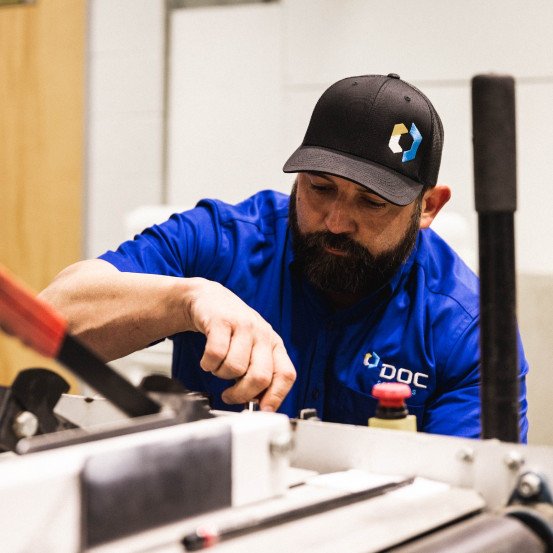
42, 53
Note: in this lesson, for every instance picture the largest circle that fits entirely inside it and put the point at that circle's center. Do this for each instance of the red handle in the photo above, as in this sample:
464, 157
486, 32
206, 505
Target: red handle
29, 318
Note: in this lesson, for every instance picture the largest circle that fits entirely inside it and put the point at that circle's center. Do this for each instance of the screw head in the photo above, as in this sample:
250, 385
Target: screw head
466, 454
529, 485
514, 460
25, 424
281, 445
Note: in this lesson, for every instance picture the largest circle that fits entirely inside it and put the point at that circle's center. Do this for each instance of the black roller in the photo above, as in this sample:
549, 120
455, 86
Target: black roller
485, 532
494, 141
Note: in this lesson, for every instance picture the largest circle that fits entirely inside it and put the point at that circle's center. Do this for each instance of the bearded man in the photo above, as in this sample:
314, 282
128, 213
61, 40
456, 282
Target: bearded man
308, 301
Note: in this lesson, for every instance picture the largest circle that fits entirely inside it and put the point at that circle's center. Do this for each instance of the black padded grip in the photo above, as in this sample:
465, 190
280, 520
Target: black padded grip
494, 142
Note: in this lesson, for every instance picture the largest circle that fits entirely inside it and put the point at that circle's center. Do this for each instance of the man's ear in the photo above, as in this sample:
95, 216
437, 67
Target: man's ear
432, 201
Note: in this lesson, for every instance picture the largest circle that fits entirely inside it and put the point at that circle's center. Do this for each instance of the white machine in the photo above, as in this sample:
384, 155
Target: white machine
258, 480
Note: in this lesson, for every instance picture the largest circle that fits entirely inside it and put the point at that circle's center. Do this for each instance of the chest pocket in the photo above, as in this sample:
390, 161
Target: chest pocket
347, 405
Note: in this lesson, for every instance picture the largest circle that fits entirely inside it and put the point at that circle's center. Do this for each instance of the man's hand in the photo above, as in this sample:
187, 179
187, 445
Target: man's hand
116, 313
240, 345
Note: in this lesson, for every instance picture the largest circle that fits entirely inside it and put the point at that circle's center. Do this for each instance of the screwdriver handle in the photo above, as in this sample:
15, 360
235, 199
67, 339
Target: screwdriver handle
29, 318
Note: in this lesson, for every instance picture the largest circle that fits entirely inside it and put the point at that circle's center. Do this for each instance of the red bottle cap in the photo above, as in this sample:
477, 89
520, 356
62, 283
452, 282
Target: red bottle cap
391, 394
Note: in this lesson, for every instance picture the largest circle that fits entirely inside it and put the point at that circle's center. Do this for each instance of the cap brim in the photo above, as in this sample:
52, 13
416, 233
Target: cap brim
387, 183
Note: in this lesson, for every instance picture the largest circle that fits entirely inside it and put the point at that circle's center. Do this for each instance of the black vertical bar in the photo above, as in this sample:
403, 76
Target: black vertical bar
498, 338
494, 142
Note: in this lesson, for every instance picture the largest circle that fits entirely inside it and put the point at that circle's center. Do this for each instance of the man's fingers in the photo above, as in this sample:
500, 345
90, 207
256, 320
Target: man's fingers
216, 347
284, 376
241, 345
271, 370
257, 378
238, 357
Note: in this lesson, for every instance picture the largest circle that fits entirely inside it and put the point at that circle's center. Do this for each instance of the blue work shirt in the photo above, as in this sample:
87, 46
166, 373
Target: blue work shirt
420, 329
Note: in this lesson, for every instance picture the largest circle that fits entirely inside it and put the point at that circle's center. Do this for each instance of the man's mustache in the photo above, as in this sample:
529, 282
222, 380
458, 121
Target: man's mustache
342, 242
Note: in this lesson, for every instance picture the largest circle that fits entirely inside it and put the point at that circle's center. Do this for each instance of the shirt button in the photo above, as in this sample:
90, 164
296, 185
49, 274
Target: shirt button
315, 394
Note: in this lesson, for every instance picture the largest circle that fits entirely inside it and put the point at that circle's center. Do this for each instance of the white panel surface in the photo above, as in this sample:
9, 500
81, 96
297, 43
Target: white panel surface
125, 115
128, 83
428, 39
121, 141
126, 26
123, 172
534, 225
225, 102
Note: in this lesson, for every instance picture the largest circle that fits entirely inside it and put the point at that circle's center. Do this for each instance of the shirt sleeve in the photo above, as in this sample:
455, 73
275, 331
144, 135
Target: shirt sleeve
183, 246
456, 407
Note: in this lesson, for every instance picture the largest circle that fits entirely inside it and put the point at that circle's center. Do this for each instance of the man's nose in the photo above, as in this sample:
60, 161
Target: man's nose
338, 219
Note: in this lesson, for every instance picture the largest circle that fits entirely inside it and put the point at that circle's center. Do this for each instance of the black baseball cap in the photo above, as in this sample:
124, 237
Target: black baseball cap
377, 131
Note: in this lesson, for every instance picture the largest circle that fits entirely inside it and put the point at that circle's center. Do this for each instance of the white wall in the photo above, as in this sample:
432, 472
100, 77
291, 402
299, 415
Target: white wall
225, 102
244, 80
125, 115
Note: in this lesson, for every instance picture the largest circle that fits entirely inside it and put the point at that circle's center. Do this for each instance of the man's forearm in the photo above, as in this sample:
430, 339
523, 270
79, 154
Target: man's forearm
116, 313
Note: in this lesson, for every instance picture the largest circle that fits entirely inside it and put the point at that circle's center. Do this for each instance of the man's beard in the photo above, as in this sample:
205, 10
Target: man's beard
359, 272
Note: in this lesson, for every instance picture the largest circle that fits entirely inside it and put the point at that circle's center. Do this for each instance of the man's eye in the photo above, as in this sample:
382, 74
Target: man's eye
373, 203
321, 188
